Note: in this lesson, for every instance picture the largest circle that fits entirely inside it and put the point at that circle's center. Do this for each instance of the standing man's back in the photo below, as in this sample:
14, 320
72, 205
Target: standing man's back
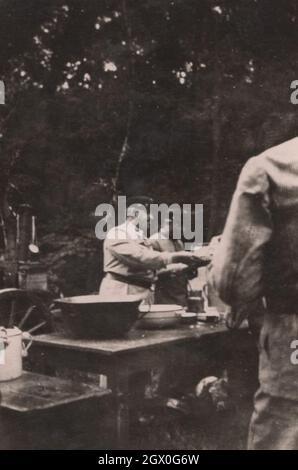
258, 258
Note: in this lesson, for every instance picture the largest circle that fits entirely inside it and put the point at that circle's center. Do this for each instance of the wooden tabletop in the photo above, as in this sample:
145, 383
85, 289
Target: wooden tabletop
135, 340
32, 392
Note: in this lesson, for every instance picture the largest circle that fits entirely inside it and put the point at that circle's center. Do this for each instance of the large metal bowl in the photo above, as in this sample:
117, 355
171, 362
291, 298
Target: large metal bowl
96, 316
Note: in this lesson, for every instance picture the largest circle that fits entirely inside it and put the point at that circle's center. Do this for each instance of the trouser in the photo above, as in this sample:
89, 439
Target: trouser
274, 423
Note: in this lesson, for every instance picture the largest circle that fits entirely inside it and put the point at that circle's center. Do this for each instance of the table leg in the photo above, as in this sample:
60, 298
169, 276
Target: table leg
120, 388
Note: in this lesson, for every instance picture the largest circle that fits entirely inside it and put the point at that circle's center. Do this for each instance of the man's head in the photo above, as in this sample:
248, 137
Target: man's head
138, 211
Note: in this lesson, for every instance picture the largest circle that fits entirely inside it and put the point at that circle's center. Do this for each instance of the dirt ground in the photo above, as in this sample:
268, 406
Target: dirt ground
217, 431
205, 428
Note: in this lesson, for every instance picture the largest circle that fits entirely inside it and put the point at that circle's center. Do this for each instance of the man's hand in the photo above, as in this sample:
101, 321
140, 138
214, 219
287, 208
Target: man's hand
184, 257
213, 245
205, 254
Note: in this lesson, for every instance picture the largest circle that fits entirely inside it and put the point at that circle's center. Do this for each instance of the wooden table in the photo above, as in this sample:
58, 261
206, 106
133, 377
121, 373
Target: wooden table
38, 411
119, 360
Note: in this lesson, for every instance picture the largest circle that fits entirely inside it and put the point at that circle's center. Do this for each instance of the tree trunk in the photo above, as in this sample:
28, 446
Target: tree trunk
131, 68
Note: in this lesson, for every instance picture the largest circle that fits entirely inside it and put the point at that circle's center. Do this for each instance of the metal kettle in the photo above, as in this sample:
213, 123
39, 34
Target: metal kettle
12, 351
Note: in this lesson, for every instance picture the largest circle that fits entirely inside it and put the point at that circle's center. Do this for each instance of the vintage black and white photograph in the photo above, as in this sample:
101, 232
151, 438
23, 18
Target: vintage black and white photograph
148, 227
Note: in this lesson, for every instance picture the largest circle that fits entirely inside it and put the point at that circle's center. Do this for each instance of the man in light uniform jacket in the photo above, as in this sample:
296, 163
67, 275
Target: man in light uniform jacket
257, 261
130, 261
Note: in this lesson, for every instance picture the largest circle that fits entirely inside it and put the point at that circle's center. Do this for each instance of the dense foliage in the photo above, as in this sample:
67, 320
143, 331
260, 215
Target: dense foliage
161, 97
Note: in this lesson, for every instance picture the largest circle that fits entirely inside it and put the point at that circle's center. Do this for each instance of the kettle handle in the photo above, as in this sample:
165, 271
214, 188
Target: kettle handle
27, 337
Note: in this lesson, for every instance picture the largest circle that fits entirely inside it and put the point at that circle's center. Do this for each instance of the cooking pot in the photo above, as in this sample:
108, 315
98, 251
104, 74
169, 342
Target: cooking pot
12, 351
195, 304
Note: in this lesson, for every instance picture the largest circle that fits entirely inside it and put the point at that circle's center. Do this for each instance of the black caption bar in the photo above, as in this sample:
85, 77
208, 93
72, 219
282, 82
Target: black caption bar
134, 459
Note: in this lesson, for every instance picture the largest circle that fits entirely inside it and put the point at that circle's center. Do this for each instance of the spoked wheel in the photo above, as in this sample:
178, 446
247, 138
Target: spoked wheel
28, 310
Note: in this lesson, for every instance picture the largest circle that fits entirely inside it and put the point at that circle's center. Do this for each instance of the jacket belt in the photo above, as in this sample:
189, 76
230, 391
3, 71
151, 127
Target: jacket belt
132, 280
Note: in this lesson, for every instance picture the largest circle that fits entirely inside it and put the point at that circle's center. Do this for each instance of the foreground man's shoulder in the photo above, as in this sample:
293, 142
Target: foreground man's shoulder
285, 151
253, 175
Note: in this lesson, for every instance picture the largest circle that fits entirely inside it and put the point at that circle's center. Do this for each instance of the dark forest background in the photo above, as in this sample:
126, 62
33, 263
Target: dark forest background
166, 98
